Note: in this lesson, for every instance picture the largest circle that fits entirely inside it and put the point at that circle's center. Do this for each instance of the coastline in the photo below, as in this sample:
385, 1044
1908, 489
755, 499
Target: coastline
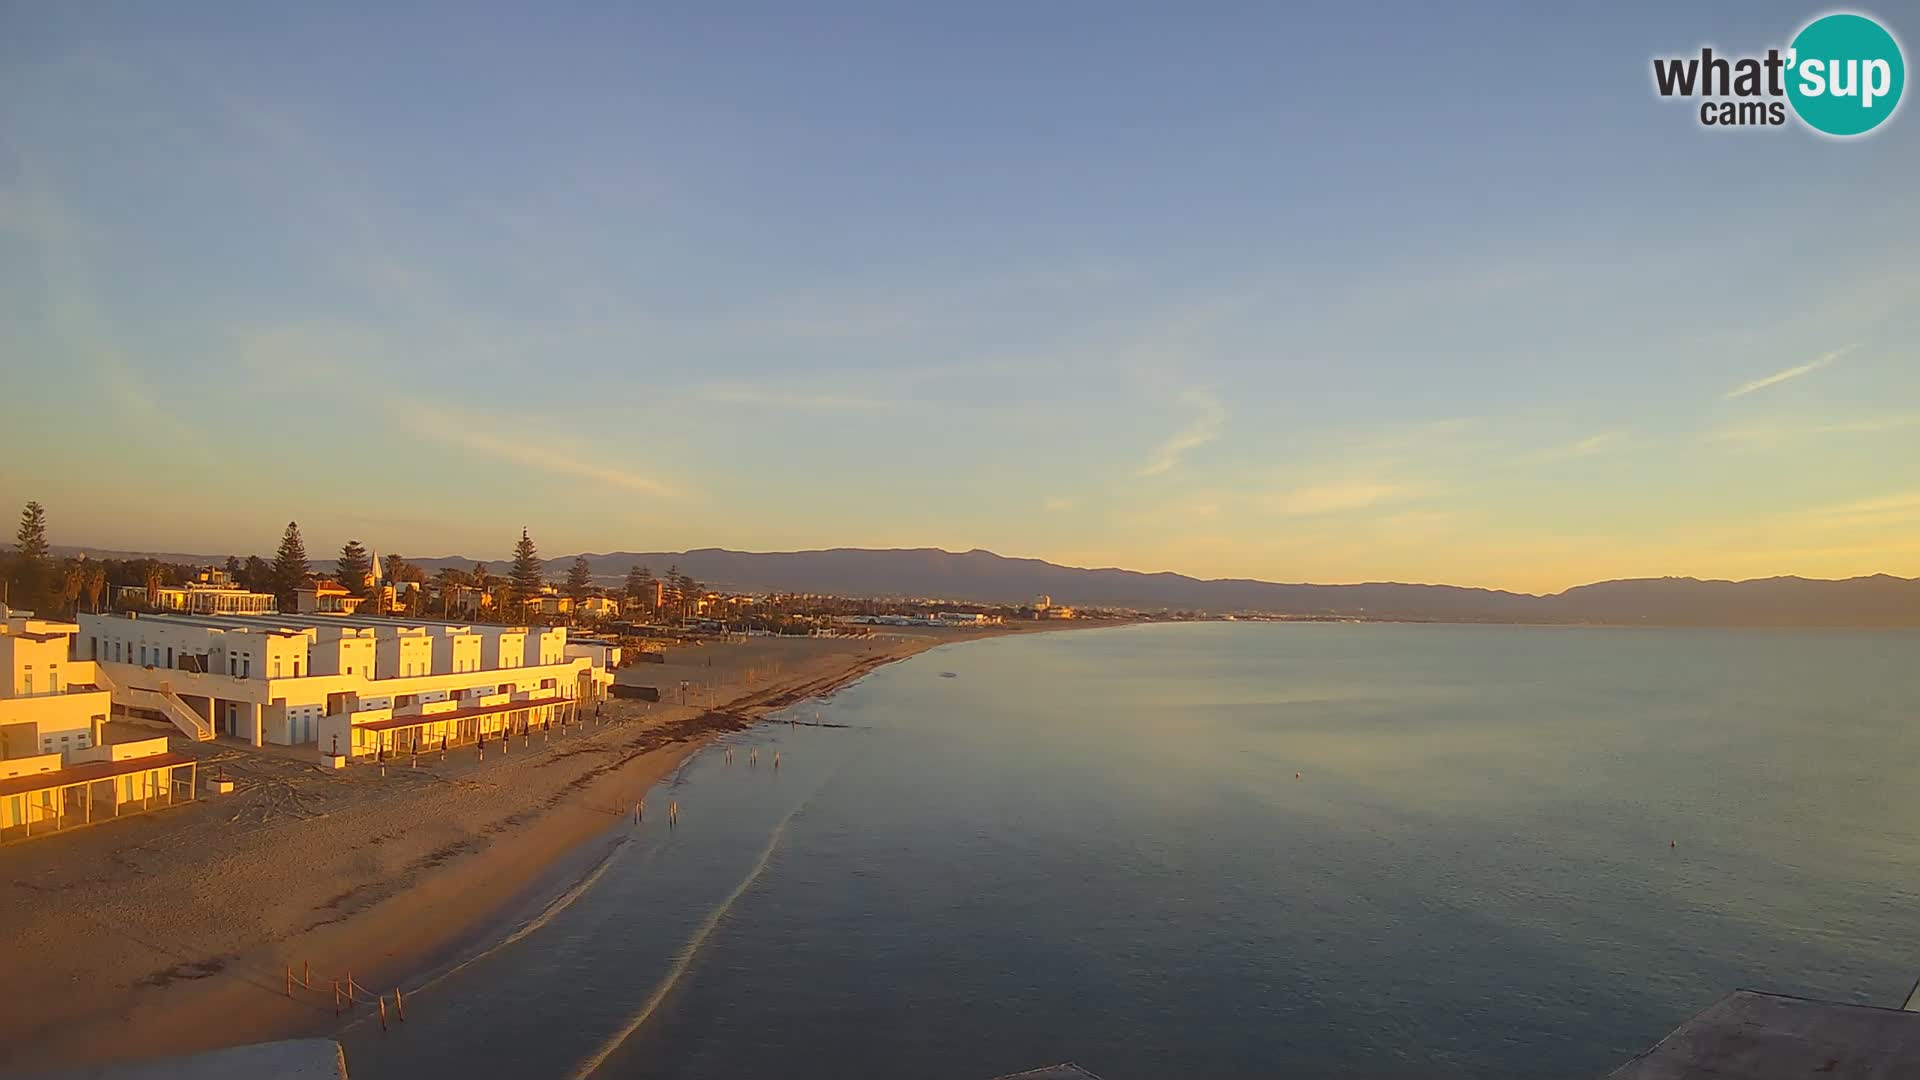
196, 915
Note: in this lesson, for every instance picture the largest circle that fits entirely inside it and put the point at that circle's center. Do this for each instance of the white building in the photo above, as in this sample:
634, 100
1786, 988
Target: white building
57, 768
278, 678
212, 592
49, 702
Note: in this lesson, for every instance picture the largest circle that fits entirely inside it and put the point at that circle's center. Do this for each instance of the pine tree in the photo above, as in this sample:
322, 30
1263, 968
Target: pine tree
353, 567
580, 579
30, 569
290, 568
525, 575
31, 541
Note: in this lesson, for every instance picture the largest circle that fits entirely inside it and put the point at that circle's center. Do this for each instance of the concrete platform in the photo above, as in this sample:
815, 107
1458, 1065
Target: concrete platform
1753, 1036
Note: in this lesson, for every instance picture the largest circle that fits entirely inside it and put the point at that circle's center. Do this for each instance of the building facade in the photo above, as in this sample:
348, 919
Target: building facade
277, 678
50, 703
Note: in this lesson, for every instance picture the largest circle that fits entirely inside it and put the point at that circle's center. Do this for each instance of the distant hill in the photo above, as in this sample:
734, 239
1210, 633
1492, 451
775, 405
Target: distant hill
984, 577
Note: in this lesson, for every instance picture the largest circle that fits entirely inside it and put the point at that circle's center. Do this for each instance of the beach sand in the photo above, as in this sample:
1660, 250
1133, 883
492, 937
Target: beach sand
173, 932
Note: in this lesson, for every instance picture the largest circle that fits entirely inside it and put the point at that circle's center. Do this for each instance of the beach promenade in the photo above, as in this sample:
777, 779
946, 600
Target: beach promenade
179, 932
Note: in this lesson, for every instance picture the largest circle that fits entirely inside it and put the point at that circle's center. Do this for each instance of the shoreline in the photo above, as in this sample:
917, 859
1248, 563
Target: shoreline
179, 929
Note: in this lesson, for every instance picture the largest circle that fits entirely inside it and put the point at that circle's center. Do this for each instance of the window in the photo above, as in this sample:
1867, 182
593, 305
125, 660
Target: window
27, 685
276, 667
246, 667
53, 681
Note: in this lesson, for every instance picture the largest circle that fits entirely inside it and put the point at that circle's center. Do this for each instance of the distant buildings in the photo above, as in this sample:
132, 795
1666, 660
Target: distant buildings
550, 603
600, 607
325, 596
211, 592
938, 618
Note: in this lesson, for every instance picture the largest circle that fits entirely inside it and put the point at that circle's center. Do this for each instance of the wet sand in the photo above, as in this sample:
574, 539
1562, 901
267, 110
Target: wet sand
173, 932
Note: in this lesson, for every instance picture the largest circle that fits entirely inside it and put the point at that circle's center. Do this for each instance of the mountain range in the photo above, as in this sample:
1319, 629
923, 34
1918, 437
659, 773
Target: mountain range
984, 577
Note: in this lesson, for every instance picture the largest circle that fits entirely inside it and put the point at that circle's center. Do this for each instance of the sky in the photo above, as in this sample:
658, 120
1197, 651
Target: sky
1359, 292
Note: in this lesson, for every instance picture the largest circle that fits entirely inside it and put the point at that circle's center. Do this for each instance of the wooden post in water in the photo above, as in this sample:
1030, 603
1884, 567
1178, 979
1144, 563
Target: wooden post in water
336, 997
289, 970
399, 1005
383, 1012
306, 974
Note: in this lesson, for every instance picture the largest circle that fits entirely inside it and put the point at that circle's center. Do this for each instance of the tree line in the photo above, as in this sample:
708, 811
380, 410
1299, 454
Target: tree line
36, 581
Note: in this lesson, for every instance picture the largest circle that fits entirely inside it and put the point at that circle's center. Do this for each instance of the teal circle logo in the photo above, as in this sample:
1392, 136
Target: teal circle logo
1845, 74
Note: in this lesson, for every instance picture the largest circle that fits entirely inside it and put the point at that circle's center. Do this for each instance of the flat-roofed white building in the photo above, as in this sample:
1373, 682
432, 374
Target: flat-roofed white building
502, 646
456, 649
276, 678
211, 592
50, 703
57, 768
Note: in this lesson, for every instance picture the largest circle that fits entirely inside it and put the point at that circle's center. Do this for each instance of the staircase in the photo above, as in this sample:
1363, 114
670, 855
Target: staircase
163, 701
191, 723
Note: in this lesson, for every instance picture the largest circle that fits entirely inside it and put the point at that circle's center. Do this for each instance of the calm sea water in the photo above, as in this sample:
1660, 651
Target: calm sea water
1510, 852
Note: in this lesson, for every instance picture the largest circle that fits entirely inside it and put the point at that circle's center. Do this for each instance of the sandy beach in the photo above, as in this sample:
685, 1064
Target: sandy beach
173, 932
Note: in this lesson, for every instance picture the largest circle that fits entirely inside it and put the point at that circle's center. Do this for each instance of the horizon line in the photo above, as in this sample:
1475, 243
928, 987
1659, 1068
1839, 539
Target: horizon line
203, 558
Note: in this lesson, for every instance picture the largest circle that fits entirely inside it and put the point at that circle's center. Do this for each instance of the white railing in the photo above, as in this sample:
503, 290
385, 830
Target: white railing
165, 702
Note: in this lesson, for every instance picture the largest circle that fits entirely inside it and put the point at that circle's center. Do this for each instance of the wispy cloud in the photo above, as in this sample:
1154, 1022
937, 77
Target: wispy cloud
68, 247
1897, 508
1206, 426
527, 448
1768, 434
1587, 447
1778, 377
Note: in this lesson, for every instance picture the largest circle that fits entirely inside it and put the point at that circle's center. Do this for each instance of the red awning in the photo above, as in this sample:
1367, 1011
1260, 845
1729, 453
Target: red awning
420, 720
88, 773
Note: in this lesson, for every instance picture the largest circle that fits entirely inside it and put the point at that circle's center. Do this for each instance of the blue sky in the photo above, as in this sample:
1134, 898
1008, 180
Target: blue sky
1369, 292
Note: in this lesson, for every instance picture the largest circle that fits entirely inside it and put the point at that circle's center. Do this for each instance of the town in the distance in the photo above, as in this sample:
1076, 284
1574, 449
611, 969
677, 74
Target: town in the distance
119, 670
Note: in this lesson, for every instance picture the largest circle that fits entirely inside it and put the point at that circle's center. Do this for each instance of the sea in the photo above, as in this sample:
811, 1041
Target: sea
1227, 850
